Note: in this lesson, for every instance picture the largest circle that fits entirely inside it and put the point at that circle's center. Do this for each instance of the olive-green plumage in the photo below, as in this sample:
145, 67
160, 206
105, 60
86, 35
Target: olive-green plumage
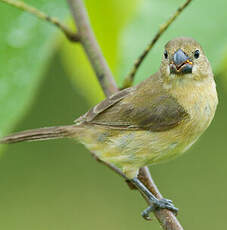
151, 122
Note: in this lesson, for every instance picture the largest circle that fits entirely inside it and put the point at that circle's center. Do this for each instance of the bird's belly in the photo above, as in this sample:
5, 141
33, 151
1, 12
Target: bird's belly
180, 139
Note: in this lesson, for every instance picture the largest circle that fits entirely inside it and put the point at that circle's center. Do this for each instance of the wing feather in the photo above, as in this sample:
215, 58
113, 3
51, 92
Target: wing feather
138, 108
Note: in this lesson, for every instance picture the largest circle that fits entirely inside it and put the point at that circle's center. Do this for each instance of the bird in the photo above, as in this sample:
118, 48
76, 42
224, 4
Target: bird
154, 121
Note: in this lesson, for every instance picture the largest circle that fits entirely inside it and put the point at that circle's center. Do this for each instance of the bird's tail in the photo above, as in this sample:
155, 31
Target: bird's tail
41, 134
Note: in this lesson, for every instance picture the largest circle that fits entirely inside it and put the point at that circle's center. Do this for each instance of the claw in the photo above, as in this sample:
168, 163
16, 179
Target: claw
154, 202
158, 204
147, 211
169, 201
166, 204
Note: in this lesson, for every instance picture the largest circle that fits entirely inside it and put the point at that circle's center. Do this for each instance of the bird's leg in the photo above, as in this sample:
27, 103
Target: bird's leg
154, 202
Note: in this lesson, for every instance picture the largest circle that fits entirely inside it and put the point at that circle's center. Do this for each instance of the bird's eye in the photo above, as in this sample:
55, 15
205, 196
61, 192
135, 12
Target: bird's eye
165, 54
196, 54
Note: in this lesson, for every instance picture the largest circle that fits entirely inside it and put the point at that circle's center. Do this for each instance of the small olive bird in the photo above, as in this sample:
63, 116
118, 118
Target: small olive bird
154, 121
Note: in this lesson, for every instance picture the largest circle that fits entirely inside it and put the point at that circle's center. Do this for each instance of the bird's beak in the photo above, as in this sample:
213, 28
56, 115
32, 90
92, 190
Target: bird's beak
181, 63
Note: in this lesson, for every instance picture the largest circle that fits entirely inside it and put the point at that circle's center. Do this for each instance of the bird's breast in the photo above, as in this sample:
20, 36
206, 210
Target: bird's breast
200, 100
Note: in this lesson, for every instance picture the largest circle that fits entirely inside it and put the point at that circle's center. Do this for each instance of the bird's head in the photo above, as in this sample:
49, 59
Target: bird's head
183, 58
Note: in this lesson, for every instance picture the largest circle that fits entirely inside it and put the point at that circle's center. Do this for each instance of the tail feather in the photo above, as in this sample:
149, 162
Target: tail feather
40, 134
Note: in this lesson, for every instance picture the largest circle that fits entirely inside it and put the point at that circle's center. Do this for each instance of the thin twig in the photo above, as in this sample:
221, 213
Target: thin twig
91, 47
130, 78
72, 36
166, 218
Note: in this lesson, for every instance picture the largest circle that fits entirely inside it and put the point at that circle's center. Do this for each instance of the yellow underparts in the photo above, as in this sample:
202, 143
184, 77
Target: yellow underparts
130, 150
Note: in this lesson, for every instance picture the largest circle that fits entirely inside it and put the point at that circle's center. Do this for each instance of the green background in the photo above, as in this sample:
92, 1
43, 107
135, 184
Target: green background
45, 80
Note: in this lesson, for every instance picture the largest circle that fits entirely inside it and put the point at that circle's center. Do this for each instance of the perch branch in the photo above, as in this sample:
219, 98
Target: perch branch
72, 36
130, 78
91, 47
166, 218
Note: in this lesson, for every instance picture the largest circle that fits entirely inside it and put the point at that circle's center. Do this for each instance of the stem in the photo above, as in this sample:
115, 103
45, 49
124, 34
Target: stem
130, 78
72, 36
91, 47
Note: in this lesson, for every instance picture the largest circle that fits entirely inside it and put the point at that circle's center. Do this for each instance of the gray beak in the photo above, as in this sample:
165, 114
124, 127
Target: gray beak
181, 63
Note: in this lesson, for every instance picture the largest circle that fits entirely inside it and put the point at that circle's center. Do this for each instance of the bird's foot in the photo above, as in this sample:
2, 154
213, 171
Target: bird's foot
155, 204
158, 204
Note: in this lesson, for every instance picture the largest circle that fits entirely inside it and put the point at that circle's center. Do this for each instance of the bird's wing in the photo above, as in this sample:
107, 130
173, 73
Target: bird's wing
137, 108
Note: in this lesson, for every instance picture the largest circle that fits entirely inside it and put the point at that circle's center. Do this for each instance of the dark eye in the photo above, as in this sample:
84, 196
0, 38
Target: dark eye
196, 54
165, 54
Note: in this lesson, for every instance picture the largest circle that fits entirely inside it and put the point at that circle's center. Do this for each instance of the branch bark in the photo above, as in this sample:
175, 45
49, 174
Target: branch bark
72, 36
166, 218
91, 47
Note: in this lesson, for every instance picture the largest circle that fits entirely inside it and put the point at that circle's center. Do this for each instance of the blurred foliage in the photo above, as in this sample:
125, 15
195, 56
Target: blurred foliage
57, 185
26, 47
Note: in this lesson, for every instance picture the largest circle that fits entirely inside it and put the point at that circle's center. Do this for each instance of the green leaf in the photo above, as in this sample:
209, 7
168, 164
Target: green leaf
108, 19
26, 45
201, 20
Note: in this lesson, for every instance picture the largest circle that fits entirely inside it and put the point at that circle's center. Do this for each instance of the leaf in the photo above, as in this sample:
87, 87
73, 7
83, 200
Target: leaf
26, 45
108, 19
199, 21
